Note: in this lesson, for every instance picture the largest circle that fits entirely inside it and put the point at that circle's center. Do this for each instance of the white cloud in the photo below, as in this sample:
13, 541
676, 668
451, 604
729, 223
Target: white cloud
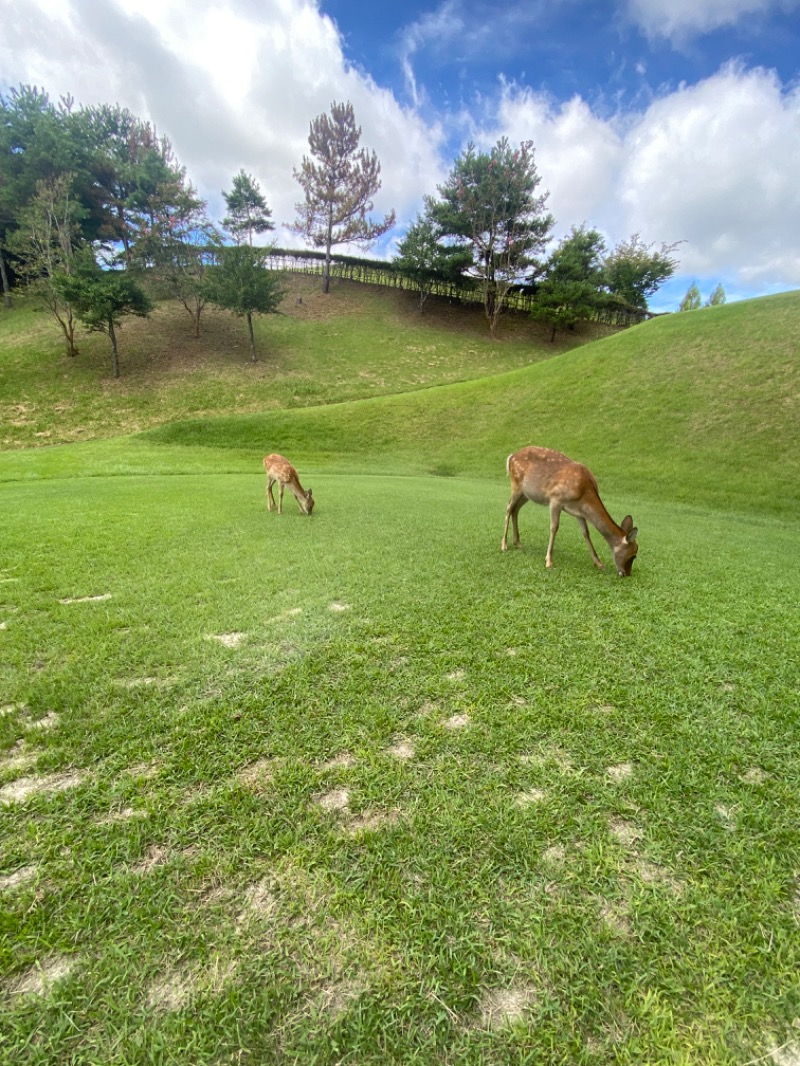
232, 84
678, 20
713, 165
235, 83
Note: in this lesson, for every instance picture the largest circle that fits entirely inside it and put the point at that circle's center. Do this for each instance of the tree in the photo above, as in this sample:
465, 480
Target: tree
717, 297
692, 300
101, 298
489, 205
136, 174
424, 259
178, 248
573, 278
46, 241
247, 209
241, 283
35, 146
338, 187
634, 271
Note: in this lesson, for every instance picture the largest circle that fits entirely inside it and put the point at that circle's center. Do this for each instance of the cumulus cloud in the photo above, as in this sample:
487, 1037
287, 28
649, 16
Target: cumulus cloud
679, 20
236, 83
713, 165
232, 85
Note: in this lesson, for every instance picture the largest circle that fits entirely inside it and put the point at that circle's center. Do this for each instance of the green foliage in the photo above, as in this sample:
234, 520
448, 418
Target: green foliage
423, 257
490, 206
123, 177
101, 298
45, 242
248, 213
633, 271
339, 186
717, 297
240, 283
573, 278
692, 300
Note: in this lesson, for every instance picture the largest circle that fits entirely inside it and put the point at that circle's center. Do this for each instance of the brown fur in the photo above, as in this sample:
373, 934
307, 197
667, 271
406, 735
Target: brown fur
281, 470
551, 479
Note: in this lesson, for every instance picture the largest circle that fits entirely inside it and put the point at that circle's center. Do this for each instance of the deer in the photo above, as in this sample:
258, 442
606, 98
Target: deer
281, 470
550, 478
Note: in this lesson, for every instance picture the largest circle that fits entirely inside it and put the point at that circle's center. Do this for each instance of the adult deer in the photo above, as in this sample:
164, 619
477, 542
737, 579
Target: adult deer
281, 470
550, 478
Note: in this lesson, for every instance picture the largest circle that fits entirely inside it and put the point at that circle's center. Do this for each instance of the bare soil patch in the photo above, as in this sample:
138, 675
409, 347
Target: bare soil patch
18, 878
18, 791
40, 978
502, 1007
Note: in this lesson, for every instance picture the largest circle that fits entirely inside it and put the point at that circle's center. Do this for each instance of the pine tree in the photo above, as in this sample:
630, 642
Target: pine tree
338, 187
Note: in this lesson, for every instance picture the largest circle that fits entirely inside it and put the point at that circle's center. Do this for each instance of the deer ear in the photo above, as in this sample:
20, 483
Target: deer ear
629, 529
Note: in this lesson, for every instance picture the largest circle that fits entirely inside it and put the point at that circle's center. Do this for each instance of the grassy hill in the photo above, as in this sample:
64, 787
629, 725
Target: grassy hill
361, 787
701, 408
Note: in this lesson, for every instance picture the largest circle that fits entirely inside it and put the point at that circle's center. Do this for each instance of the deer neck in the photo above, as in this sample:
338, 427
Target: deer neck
604, 523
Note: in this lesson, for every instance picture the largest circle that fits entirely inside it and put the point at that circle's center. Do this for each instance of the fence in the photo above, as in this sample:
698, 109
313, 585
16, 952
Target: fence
375, 272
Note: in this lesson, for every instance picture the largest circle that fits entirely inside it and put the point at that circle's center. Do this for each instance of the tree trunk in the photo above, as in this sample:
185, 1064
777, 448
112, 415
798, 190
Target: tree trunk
326, 272
252, 337
112, 336
6, 287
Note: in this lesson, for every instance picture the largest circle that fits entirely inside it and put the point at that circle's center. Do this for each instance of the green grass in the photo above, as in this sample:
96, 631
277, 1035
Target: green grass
356, 343
427, 802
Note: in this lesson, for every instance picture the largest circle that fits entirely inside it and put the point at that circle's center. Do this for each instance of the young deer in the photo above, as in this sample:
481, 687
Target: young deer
550, 478
281, 470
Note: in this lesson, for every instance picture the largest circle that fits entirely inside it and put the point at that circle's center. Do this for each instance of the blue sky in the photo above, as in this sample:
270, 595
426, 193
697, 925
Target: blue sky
678, 120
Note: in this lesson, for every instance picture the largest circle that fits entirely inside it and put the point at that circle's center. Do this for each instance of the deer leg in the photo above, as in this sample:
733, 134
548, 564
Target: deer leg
514, 504
555, 518
270, 497
585, 531
280, 497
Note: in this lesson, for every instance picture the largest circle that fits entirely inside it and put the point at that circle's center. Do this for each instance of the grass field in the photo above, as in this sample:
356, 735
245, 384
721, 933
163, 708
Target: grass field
361, 788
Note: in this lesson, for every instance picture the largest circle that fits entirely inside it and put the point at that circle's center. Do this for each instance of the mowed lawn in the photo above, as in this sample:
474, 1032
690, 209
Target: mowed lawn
361, 788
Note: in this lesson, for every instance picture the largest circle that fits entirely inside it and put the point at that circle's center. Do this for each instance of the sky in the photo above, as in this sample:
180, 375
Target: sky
677, 120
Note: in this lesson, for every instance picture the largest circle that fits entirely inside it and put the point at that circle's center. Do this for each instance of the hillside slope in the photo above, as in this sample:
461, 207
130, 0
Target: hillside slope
705, 402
